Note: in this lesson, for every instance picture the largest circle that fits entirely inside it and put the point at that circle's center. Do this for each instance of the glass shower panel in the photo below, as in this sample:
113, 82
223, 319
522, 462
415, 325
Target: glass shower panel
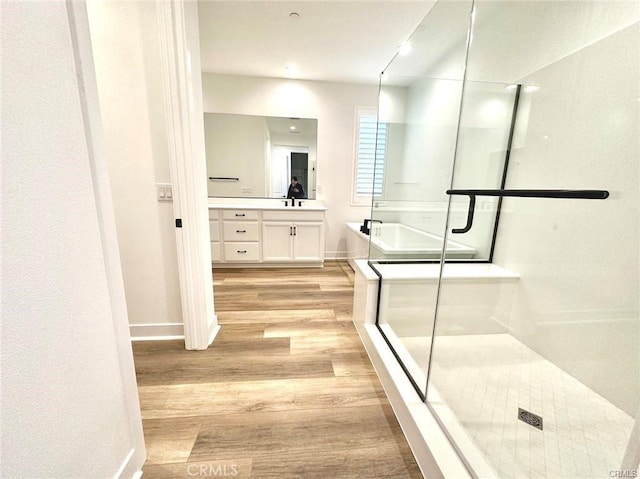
542, 380
419, 105
419, 108
482, 155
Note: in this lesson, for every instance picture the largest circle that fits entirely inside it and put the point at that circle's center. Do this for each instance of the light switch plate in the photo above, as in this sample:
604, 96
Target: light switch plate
164, 191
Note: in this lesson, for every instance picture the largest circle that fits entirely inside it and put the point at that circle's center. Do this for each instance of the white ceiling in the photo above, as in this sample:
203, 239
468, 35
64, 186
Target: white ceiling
346, 41
305, 128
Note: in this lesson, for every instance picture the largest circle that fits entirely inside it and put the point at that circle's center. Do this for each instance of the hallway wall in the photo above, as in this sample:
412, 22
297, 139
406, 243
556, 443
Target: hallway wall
126, 48
69, 399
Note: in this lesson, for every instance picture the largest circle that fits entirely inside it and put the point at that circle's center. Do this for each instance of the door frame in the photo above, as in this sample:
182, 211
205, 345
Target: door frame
89, 105
182, 88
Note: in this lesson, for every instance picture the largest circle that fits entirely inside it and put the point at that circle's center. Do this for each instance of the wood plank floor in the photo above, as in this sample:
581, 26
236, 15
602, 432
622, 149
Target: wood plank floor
285, 391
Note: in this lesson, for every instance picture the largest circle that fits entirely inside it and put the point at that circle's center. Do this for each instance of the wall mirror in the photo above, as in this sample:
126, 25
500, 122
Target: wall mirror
256, 156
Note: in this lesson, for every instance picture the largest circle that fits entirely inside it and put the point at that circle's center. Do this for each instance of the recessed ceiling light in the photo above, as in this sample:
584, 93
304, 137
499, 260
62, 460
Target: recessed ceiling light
292, 127
405, 48
294, 15
291, 70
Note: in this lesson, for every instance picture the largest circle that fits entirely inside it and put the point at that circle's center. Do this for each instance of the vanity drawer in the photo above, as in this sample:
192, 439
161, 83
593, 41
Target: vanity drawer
240, 230
215, 252
240, 215
242, 252
214, 230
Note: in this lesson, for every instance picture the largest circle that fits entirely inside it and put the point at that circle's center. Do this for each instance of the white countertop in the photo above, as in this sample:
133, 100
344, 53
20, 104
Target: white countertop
267, 204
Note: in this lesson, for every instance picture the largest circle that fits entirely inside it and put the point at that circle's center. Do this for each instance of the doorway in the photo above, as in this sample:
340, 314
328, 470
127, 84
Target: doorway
300, 168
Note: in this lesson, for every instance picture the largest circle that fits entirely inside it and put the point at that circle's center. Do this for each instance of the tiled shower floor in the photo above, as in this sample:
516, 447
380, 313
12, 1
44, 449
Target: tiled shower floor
484, 379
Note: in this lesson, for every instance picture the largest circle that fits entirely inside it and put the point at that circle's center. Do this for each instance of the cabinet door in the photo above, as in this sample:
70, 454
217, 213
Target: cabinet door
277, 241
308, 242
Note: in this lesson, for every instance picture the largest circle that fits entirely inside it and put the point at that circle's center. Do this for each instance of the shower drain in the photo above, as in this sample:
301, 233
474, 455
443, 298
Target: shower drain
530, 418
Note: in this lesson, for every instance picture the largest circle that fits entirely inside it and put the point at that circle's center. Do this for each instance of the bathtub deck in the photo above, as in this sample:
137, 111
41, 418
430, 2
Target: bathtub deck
388, 241
471, 271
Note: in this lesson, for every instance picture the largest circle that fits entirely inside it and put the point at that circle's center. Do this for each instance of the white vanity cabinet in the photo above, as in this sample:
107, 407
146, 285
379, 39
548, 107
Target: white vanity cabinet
292, 236
266, 236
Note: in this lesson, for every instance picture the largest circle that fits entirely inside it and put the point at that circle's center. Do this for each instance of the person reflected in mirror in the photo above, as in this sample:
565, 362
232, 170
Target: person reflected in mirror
295, 189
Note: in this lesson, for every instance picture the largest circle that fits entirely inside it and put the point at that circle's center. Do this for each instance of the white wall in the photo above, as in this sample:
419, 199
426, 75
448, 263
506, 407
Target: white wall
126, 49
424, 171
67, 382
333, 104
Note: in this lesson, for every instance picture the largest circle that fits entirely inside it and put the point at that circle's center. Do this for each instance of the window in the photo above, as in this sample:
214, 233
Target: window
369, 156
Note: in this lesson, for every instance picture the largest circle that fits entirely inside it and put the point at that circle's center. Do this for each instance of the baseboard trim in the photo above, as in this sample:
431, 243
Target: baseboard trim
329, 255
230, 265
156, 332
214, 329
167, 331
127, 469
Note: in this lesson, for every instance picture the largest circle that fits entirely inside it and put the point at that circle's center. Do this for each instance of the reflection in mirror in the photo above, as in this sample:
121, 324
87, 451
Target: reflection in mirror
419, 102
431, 126
256, 156
428, 123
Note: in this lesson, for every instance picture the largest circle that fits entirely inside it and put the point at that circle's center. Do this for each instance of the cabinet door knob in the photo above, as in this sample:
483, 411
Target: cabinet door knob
294, 230
241, 251
239, 214
241, 231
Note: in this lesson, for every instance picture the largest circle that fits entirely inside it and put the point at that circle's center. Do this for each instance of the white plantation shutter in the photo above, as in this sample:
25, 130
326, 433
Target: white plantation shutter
370, 154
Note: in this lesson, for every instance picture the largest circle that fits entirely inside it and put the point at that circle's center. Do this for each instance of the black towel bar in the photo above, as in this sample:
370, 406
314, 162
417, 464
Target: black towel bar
562, 194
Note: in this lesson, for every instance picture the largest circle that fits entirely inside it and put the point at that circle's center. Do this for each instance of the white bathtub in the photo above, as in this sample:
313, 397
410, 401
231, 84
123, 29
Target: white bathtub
398, 241
357, 244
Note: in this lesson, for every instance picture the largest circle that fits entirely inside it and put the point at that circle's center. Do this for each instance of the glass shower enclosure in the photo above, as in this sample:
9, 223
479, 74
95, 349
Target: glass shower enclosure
506, 234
